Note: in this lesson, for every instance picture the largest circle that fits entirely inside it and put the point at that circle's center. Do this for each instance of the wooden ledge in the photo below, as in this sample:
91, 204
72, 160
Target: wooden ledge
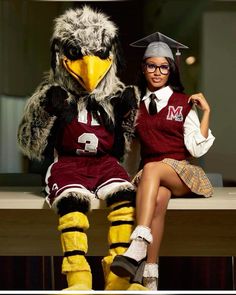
193, 227
224, 198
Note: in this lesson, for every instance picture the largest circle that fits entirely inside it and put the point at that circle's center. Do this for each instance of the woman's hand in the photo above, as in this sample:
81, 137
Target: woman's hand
200, 101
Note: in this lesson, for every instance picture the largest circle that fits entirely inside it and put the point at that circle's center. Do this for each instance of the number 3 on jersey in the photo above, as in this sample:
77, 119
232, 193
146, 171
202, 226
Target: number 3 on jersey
91, 143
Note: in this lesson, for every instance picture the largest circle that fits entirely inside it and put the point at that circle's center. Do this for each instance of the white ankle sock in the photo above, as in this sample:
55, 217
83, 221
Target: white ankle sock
151, 270
140, 237
142, 231
150, 283
137, 249
150, 276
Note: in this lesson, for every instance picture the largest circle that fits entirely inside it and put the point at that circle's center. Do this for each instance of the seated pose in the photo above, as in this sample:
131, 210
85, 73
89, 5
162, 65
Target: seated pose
170, 133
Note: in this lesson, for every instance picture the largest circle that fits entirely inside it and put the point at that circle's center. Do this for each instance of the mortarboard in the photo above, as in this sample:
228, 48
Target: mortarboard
157, 44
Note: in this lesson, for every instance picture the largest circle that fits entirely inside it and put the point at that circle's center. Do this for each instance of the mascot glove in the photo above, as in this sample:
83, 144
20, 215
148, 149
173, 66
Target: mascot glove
128, 100
56, 100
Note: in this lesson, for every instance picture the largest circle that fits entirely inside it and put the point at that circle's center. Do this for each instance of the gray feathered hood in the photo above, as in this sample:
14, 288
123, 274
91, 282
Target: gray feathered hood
86, 53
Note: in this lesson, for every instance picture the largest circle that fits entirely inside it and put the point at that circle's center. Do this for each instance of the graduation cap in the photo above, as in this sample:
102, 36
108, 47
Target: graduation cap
159, 45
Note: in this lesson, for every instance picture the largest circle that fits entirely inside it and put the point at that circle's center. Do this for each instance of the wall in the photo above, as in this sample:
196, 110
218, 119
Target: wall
25, 30
218, 83
11, 109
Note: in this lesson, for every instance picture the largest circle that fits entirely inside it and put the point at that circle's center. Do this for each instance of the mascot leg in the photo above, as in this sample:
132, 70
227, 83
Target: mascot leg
121, 220
74, 244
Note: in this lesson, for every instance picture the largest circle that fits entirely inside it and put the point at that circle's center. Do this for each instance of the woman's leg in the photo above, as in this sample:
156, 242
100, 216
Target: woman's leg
154, 175
157, 224
150, 276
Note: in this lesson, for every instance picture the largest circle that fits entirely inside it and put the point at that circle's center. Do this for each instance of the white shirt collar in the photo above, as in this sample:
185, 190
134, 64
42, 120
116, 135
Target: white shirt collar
161, 94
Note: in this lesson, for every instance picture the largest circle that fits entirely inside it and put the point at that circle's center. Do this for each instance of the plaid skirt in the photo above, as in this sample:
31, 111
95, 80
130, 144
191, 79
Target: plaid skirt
193, 176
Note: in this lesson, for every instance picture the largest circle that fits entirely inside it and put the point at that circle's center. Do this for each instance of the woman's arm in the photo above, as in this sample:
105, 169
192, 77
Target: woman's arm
197, 135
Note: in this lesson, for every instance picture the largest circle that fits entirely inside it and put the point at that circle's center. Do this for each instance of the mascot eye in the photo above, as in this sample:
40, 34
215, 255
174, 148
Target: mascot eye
73, 53
103, 54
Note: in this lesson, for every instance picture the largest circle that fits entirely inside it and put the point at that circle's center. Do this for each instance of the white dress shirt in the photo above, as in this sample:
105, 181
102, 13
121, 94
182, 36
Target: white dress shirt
194, 141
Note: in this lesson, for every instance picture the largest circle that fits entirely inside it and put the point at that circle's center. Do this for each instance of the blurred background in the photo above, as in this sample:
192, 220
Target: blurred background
208, 27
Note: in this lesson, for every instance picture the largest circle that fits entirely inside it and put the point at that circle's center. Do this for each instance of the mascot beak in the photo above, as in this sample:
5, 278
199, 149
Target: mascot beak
88, 71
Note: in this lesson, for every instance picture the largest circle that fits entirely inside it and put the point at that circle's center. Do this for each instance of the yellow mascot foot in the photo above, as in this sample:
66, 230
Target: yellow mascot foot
80, 287
138, 287
79, 280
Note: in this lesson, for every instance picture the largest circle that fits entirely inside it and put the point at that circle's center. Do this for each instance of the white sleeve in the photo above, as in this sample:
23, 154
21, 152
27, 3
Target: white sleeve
194, 141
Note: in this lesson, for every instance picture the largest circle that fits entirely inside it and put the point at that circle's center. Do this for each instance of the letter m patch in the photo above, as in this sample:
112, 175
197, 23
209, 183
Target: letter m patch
175, 114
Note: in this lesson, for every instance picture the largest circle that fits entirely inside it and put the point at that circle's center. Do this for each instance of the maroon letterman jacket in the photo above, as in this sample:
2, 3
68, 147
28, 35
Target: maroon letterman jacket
161, 135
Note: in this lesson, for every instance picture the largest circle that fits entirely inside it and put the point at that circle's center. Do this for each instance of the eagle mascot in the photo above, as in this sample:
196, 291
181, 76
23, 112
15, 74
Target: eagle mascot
84, 115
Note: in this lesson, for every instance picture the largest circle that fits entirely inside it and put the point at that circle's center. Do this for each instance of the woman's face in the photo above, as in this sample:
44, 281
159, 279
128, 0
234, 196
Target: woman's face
156, 71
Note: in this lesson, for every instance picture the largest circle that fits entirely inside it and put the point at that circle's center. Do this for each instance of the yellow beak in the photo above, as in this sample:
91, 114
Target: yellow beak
88, 71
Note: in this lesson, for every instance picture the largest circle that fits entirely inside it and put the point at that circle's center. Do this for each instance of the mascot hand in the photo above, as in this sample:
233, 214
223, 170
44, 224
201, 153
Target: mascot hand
128, 100
56, 100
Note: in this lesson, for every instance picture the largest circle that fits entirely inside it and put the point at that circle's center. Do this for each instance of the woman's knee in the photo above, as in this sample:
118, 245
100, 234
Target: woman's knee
152, 168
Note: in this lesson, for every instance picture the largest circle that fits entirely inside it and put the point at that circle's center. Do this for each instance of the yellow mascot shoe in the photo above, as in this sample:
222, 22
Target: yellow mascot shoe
116, 283
79, 280
137, 287
112, 281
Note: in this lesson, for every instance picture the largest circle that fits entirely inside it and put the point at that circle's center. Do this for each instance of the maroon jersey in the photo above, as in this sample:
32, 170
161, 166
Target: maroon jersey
84, 136
84, 164
161, 135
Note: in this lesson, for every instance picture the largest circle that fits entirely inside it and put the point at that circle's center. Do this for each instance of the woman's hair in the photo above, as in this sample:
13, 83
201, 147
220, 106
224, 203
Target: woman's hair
173, 81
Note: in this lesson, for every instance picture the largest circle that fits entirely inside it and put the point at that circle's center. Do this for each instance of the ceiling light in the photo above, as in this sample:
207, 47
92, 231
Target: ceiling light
190, 60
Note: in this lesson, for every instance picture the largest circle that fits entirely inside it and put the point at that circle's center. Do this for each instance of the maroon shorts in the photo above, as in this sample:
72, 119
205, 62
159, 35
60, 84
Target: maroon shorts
94, 176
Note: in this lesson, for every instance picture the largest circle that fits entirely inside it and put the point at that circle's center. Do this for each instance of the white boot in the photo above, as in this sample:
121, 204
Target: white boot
150, 276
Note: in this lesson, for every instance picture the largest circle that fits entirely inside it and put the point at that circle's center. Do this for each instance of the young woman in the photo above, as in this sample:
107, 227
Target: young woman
170, 133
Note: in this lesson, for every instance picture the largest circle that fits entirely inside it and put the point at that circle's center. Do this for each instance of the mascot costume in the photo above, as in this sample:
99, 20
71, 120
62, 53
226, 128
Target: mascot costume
84, 114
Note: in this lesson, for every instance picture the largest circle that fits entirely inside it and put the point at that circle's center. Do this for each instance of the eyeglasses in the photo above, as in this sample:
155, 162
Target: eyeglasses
151, 68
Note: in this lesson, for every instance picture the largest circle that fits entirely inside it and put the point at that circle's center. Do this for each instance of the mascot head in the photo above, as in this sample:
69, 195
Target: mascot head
85, 52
